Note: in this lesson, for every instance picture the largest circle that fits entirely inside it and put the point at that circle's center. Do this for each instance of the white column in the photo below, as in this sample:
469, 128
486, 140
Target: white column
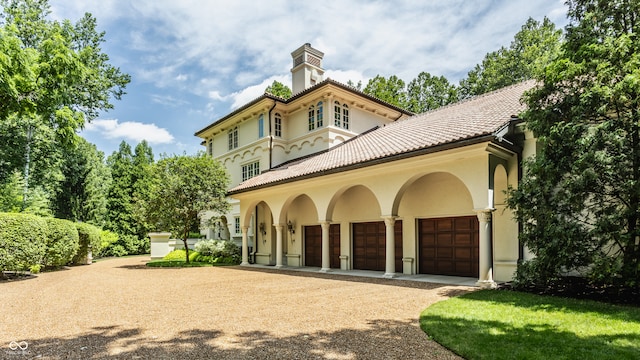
390, 265
485, 280
245, 246
279, 228
326, 263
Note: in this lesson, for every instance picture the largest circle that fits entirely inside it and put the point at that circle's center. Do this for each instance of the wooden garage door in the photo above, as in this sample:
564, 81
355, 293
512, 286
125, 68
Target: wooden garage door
313, 246
369, 249
449, 246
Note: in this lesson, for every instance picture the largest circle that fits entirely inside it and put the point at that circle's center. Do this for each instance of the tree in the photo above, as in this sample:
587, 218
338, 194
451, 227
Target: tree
427, 92
532, 49
82, 195
579, 202
184, 188
391, 90
141, 182
52, 74
278, 89
120, 199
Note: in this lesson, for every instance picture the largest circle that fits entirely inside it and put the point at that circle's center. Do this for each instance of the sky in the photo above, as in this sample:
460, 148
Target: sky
194, 61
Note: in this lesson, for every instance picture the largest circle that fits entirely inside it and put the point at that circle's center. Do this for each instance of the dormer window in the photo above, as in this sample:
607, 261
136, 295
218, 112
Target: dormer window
233, 138
277, 122
316, 116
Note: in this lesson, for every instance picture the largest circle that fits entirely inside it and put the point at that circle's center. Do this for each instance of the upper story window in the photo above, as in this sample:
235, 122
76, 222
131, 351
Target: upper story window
260, 126
210, 147
250, 170
341, 115
233, 138
236, 224
316, 116
277, 122
345, 116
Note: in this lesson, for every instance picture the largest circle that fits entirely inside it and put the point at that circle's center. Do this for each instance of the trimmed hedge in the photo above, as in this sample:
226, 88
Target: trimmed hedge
62, 242
23, 241
89, 239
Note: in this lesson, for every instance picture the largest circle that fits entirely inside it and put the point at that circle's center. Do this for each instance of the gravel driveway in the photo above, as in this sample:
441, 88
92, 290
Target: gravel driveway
119, 309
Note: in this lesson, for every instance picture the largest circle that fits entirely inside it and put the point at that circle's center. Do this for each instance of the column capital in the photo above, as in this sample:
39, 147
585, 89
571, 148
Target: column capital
325, 223
245, 229
278, 227
484, 215
389, 220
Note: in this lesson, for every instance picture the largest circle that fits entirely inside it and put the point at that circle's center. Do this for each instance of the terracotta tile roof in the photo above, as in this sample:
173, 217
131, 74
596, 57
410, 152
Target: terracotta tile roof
472, 118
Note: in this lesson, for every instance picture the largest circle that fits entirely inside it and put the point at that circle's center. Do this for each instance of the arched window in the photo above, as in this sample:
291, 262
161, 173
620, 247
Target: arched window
319, 115
337, 112
260, 126
312, 117
345, 116
277, 122
233, 138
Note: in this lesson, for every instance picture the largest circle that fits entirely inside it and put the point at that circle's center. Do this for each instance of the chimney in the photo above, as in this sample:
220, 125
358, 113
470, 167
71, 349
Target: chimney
307, 68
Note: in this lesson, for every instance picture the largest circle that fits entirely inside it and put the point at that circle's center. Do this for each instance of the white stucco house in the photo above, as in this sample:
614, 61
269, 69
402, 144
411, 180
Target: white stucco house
336, 179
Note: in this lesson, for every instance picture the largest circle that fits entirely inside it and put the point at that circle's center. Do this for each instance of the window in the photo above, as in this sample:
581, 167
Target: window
315, 116
237, 224
210, 147
319, 115
312, 117
341, 115
277, 125
250, 170
345, 116
233, 138
261, 126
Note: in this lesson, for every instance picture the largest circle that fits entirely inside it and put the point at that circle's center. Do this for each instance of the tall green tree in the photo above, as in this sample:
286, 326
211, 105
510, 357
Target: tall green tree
278, 89
391, 90
141, 182
120, 217
185, 187
82, 195
427, 92
52, 74
532, 49
579, 202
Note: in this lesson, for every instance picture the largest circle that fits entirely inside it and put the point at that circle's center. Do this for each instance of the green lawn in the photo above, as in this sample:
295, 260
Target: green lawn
492, 324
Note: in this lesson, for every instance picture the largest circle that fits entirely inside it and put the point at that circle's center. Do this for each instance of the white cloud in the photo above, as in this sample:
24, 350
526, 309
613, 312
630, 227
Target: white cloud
130, 130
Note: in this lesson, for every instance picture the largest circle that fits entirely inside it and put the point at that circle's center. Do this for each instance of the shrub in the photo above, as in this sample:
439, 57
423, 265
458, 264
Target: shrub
220, 251
62, 242
107, 238
89, 238
180, 255
125, 245
23, 241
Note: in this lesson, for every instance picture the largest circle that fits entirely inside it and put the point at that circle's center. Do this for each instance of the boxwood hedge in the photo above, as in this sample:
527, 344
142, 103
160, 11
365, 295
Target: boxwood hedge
23, 241
89, 239
62, 242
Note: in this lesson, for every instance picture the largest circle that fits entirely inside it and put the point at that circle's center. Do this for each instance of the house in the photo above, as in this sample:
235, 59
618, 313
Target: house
335, 179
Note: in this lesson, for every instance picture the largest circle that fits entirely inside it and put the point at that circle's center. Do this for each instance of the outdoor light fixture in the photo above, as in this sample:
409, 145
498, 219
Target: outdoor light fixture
263, 231
291, 227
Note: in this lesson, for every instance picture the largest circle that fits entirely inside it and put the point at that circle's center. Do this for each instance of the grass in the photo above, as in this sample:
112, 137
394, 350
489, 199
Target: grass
493, 324
176, 263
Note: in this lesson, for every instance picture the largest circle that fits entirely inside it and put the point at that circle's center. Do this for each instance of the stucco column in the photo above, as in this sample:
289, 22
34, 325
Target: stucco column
279, 228
390, 264
485, 280
245, 246
326, 264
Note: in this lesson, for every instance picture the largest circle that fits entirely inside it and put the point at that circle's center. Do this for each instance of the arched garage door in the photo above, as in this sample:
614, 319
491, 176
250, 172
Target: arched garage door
369, 249
449, 246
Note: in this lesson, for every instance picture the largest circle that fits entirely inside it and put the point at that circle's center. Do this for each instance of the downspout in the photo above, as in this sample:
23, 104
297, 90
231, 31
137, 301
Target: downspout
271, 136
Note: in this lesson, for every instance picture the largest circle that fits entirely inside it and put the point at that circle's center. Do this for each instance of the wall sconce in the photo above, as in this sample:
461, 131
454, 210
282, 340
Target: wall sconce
263, 231
291, 227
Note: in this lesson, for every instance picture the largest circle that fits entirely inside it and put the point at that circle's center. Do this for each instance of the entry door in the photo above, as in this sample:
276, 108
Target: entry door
449, 246
369, 246
313, 246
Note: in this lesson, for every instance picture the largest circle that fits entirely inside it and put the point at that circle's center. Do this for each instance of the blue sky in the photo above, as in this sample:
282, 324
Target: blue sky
194, 61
